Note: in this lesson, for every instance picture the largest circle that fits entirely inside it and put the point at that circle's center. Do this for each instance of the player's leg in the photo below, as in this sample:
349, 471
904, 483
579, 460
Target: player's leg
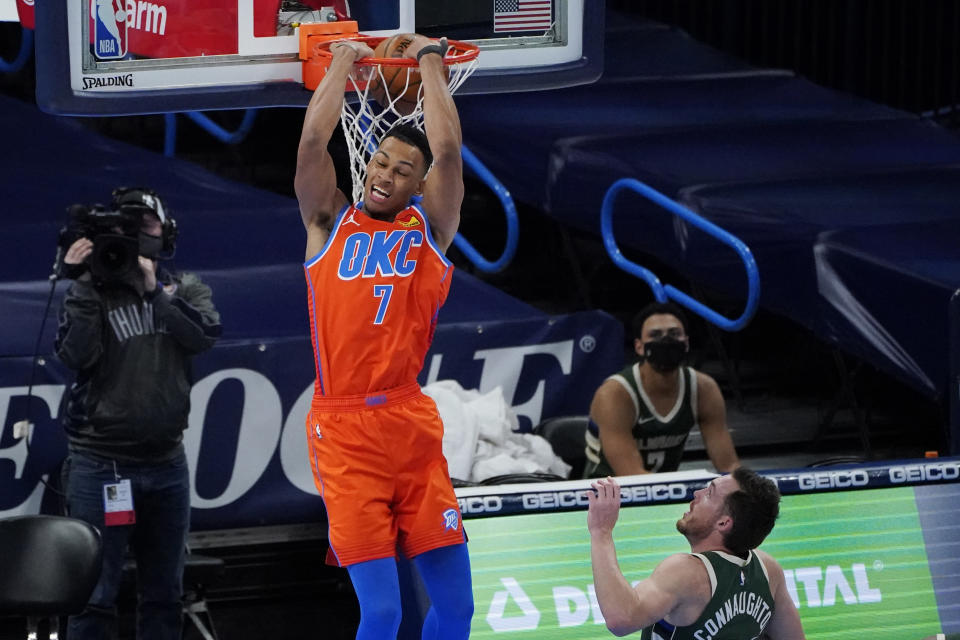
429, 520
378, 590
431, 628
445, 573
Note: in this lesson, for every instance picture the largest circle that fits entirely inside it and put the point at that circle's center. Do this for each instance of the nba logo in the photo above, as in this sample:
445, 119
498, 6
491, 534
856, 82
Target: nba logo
109, 29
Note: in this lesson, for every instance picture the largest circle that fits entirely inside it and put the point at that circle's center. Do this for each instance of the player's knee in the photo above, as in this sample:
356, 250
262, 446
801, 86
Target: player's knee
383, 614
464, 613
463, 606
456, 611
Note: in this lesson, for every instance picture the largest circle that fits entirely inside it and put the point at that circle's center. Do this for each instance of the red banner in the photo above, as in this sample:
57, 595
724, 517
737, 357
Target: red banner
165, 28
173, 28
25, 11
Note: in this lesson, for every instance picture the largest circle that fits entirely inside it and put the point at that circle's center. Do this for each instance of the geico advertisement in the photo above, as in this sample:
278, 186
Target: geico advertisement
854, 561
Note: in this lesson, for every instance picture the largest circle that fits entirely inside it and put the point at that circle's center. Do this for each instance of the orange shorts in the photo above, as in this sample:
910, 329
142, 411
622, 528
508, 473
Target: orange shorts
378, 464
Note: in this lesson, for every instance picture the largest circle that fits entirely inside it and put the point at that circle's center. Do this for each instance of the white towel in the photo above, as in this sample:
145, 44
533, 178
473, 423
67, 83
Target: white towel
480, 438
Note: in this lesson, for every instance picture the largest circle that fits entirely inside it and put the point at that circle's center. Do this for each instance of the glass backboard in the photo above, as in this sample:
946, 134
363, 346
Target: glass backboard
109, 57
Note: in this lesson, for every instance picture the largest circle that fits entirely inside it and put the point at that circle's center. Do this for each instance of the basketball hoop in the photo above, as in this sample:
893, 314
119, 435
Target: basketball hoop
365, 120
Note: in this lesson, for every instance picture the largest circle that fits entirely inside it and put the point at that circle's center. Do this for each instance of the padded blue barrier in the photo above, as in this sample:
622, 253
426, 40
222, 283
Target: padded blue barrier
639, 48
583, 167
655, 78
768, 156
514, 134
781, 221
885, 293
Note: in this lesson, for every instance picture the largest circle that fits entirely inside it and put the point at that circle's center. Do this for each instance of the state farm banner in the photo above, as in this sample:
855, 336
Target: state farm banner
246, 442
162, 28
159, 29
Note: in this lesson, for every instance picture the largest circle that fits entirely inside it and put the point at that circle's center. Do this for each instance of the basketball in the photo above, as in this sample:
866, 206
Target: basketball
397, 85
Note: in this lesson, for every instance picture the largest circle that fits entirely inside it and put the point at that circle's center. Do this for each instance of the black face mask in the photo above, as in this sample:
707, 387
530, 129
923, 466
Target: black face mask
150, 246
665, 355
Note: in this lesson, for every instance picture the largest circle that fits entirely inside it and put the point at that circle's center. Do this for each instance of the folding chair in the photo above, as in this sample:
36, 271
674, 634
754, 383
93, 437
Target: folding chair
49, 566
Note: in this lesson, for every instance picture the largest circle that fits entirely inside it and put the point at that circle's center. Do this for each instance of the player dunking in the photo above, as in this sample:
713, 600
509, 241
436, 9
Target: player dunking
377, 276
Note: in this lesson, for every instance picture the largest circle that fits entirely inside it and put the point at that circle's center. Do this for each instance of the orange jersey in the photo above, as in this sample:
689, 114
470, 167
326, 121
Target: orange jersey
373, 293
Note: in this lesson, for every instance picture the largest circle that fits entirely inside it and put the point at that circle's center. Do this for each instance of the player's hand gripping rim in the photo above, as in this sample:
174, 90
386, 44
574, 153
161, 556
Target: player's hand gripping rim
361, 49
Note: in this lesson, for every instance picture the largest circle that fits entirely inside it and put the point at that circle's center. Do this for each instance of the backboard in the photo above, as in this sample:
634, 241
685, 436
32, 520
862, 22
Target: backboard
112, 57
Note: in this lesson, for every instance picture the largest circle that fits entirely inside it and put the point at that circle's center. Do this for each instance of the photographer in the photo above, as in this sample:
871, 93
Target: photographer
129, 332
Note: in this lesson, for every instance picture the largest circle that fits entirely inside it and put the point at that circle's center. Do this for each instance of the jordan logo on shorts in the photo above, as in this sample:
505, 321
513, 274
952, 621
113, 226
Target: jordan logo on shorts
451, 519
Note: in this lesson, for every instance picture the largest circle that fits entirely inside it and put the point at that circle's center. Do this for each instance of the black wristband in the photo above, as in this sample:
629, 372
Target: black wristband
72, 271
439, 48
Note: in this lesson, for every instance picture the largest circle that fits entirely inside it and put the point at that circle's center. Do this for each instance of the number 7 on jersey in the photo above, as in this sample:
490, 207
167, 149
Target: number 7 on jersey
382, 291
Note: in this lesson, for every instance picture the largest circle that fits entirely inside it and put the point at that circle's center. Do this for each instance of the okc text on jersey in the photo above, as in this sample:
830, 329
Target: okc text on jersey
369, 255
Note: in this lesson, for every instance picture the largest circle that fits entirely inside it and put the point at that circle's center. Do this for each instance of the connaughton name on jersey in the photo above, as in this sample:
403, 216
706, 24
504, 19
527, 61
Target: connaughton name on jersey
745, 603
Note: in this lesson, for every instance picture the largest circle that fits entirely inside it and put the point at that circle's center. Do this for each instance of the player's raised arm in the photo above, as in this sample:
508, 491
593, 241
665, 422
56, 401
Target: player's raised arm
628, 609
443, 191
316, 179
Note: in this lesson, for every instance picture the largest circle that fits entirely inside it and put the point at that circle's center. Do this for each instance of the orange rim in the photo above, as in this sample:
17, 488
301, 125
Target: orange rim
457, 53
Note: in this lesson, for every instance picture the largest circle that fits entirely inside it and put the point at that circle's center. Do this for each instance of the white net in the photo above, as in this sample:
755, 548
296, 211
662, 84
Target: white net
365, 120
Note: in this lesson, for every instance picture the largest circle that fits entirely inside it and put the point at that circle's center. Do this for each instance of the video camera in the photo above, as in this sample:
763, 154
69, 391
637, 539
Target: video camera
115, 233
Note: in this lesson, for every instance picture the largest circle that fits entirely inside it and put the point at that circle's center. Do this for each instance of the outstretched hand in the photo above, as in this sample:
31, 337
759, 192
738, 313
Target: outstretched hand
604, 505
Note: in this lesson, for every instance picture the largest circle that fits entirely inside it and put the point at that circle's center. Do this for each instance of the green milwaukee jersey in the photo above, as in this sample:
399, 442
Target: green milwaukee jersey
739, 609
660, 439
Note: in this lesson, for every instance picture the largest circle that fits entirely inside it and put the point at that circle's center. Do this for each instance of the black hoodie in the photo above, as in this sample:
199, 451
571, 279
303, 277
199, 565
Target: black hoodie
132, 353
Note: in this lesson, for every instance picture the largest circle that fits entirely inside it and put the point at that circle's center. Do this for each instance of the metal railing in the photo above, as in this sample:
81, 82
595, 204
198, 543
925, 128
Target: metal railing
662, 292
509, 210
204, 122
26, 50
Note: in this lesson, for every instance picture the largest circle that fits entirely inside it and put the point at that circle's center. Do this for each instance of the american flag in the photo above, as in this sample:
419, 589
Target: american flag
522, 15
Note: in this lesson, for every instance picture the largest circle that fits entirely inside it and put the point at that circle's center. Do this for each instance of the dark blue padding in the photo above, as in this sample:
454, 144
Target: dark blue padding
885, 292
583, 168
515, 134
781, 220
59, 162
638, 48
789, 167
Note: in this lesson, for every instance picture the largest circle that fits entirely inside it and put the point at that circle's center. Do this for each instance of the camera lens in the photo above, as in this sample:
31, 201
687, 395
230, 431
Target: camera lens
114, 256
